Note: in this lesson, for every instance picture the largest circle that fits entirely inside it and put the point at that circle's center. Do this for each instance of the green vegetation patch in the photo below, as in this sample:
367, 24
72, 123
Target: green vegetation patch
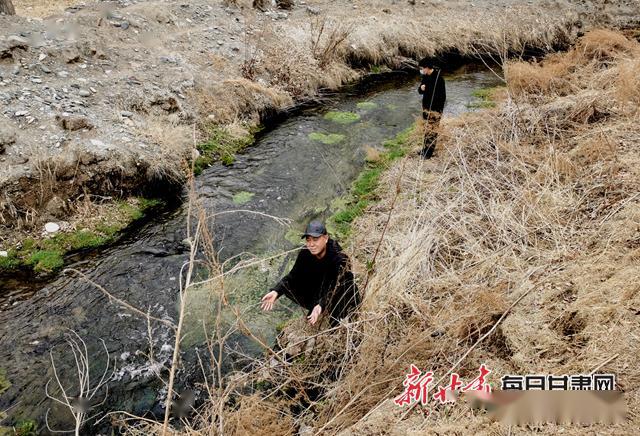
326, 138
27, 427
223, 145
485, 96
342, 117
243, 197
47, 254
45, 261
363, 190
367, 105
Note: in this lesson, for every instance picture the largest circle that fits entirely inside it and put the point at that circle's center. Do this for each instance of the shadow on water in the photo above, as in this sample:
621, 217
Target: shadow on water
294, 171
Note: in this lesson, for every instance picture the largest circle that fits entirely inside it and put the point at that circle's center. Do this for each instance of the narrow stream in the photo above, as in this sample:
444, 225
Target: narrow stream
286, 174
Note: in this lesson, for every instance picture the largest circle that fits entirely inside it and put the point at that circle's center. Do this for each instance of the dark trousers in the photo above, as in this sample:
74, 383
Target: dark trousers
432, 119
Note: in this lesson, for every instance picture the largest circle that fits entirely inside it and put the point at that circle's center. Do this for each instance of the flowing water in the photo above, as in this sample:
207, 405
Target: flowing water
285, 174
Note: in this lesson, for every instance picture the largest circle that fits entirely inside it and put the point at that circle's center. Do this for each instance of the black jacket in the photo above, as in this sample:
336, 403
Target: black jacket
327, 282
435, 94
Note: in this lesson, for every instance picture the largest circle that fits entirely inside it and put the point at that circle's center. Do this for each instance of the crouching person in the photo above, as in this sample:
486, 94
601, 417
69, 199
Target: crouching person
321, 280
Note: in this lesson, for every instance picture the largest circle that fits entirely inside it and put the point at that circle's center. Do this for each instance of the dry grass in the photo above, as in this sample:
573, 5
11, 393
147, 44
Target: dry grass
236, 99
172, 141
42, 8
537, 199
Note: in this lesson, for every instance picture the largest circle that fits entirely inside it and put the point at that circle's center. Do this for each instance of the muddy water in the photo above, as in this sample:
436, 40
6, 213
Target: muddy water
286, 174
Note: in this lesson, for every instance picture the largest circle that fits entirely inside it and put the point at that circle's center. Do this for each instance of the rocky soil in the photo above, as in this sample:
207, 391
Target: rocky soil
111, 97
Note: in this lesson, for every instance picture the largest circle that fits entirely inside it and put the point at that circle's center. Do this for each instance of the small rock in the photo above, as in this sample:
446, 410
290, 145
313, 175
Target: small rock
4, 253
84, 93
124, 25
114, 15
42, 57
36, 80
126, 114
21, 113
306, 430
16, 41
7, 137
74, 123
56, 207
51, 227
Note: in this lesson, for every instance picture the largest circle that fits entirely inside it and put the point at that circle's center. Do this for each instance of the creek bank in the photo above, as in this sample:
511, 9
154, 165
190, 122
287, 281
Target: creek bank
284, 175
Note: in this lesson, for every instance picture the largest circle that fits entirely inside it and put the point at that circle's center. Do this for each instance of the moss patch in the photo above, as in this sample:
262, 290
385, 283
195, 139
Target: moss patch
26, 427
486, 98
45, 261
367, 105
243, 197
363, 190
342, 117
223, 146
329, 139
47, 254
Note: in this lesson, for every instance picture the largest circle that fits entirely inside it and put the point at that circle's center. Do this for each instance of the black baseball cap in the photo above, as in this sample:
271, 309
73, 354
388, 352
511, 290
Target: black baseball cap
426, 62
315, 229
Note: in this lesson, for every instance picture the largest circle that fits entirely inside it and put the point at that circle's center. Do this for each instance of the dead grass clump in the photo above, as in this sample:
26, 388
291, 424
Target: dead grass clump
628, 84
257, 416
173, 141
239, 99
289, 68
590, 152
482, 310
328, 40
602, 45
581, 68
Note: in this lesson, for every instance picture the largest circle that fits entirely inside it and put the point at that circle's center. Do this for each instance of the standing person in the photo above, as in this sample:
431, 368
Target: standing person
434, 96
320, 281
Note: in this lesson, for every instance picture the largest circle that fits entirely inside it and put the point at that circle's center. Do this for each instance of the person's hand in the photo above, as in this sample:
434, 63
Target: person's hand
423, 87
269, 300
315, 314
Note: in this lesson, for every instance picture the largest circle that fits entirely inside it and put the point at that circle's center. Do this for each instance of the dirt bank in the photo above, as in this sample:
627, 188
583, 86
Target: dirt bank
111, 97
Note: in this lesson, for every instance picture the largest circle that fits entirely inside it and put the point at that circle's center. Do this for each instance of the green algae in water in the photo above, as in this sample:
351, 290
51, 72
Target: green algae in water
485, 96
367, 105
329, 139
243, 197
342, 117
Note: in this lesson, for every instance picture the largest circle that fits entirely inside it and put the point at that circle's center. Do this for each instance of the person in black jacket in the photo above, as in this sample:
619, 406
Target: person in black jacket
434, 97
320, 280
